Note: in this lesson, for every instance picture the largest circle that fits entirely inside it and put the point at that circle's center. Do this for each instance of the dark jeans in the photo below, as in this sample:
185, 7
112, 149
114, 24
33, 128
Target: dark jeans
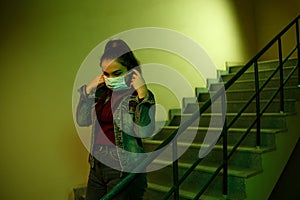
103, 178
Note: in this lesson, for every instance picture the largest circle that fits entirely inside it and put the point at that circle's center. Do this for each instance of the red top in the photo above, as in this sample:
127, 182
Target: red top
106, 134
104, 112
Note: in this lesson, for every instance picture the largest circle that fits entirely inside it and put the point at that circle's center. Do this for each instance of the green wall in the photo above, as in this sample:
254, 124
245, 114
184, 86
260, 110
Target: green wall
271, 17
43, 44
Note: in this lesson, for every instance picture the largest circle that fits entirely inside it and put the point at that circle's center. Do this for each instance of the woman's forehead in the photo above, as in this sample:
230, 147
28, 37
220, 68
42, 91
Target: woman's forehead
112, 66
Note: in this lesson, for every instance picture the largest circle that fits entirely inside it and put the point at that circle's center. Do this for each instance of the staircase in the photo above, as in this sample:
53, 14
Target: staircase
252, 171
259, 135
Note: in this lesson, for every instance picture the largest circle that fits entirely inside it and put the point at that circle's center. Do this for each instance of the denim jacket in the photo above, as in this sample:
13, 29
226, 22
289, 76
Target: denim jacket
133, 119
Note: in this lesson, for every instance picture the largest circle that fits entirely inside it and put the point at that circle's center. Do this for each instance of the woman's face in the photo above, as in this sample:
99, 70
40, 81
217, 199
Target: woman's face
112, 69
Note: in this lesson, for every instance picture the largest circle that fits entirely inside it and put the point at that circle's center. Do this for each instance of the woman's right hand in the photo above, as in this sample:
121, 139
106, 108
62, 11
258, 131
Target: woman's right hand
93, 84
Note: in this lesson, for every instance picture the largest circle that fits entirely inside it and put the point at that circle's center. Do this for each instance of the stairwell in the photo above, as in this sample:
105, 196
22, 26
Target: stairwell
254, 163
252, 171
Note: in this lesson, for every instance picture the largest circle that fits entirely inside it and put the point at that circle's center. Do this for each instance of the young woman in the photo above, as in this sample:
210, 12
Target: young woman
121, 110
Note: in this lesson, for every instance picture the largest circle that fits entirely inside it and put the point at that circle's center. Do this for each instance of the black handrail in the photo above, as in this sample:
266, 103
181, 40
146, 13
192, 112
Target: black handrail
298, 42
257, 102
259, 89
175, 170
220, 94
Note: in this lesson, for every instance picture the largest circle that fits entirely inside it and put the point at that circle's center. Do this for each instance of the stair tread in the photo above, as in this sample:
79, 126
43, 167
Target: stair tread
250, 80
235, 113
250, 90
212, 167
259, 150
260, 62
182, 193
264, 70
245, 101
230, 129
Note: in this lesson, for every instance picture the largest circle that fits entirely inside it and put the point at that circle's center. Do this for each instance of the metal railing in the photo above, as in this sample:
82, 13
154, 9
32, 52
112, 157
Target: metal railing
177, 181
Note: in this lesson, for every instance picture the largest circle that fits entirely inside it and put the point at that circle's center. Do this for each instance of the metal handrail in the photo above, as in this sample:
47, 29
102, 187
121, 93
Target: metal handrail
219, 94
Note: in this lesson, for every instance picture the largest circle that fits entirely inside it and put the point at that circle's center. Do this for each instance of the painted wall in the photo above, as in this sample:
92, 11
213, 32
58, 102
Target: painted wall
42, 47
271, 16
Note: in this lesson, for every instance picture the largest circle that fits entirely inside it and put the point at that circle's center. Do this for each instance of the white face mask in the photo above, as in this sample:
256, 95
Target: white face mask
117, 83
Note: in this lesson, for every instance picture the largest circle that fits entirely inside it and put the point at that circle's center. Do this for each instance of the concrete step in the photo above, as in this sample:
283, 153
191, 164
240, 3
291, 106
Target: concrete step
268, 120
236, 106
197, 135
200, 176
250, 84
156, 191
264, 65
245, 94
245, 157
263, 74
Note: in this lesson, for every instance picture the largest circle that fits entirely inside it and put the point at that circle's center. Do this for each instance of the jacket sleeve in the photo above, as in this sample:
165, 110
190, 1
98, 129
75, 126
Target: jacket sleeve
84, 108
145, 116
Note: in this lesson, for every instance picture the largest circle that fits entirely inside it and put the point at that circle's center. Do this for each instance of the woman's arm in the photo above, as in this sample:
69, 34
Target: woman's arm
84, 108
144, 118
87, 100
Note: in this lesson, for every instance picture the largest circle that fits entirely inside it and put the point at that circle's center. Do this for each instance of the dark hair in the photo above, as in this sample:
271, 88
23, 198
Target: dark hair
119, 51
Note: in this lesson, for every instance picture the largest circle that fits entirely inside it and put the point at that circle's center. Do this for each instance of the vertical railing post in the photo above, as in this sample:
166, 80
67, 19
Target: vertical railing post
175, 170
298, 47
225, 150
281, 76
256, 79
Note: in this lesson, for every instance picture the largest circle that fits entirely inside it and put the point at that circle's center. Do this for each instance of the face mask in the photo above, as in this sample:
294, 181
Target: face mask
117, 83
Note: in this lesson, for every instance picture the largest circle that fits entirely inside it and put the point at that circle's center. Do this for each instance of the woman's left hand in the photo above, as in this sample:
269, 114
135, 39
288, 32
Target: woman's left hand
138, 83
